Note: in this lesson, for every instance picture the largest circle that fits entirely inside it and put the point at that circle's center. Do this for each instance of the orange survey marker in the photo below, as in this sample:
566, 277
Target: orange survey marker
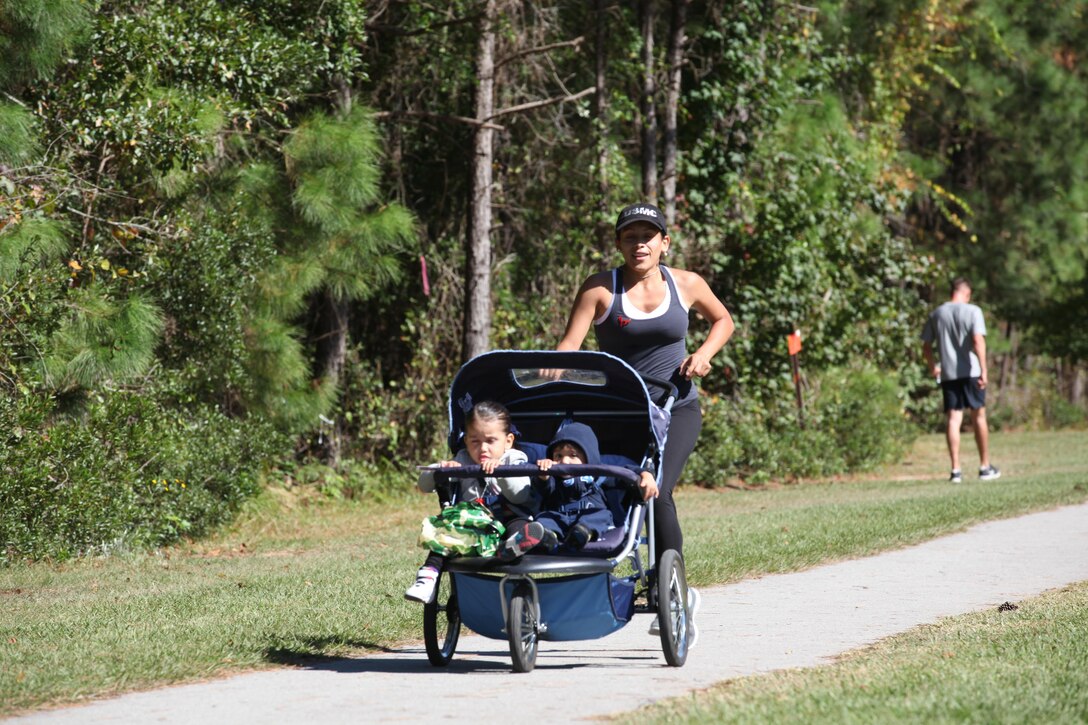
793, 342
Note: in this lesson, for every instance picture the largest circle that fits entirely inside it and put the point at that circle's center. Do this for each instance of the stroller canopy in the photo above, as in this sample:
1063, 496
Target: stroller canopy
594, 387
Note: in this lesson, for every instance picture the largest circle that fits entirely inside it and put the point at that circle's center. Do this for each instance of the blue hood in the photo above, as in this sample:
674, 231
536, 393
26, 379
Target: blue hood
582, 436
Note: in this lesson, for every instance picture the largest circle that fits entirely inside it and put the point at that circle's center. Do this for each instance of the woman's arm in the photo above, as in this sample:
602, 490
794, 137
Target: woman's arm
589, 304
707, 304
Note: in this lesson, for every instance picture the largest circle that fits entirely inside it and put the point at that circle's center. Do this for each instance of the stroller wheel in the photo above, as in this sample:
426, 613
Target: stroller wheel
672, 608
522, 627
442, 622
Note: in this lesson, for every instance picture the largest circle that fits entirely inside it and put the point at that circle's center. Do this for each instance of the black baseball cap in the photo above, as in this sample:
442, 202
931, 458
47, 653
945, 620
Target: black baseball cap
640, 213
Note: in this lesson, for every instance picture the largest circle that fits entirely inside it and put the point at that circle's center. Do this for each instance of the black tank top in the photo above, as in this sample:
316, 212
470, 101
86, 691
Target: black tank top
652, 343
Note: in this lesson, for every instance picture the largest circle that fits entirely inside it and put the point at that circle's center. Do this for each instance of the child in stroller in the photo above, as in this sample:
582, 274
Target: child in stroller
575, 509
489, 442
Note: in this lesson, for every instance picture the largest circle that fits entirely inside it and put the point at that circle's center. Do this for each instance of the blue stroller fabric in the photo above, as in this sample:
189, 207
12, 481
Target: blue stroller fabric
585, 606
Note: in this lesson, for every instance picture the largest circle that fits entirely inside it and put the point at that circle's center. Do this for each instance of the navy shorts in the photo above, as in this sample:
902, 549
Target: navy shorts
963, 393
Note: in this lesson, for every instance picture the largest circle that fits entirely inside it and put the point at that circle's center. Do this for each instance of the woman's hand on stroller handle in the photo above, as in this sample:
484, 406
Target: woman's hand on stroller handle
551, 374
648, 485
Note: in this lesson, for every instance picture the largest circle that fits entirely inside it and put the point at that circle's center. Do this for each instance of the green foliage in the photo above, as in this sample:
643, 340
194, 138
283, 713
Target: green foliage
168, 77
18, 139
204, 281
29, 243
35, 35
1035, 403
105, 341
854, 421
148, 135
125, 473
1006, 131
332, 164
353, 480
864, 410
787, 204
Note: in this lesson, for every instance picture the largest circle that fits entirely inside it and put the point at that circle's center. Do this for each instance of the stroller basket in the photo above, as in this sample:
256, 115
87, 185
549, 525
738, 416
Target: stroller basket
582, 606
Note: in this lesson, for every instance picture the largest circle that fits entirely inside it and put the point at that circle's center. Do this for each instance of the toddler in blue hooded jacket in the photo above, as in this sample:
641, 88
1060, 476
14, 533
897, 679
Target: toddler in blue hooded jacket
575, 509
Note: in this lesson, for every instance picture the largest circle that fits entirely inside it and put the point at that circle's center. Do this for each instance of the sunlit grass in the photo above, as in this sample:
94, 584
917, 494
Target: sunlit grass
1029, 665
300, 576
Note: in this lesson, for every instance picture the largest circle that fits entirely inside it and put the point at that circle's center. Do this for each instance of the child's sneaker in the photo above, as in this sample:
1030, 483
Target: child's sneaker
989, 473
578, 536
527, 538
956, 477
423, 589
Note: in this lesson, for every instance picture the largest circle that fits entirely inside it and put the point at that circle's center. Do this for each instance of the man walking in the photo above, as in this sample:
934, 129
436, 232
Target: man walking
960, 333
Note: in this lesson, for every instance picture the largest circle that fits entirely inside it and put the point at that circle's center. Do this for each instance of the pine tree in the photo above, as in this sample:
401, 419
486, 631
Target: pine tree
340, 244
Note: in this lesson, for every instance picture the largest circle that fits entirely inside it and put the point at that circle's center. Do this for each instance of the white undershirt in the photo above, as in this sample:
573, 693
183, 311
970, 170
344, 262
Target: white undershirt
635, 313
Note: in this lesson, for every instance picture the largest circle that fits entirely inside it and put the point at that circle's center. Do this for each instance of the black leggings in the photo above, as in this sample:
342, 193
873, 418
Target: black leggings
687, 421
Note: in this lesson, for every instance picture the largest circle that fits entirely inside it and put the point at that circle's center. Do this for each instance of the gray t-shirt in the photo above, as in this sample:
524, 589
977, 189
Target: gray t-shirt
953, 326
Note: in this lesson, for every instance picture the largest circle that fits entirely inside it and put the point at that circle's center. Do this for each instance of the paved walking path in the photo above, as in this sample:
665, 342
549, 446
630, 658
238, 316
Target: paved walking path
774, 622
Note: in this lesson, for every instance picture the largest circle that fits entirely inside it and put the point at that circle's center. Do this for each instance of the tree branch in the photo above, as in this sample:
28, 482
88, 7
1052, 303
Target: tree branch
542, 49
121, 225
440, 117
546, 102
401, 32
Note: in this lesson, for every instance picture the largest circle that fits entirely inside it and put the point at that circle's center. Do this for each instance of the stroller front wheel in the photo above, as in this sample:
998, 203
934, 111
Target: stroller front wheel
672, 608
523, 627
442, 622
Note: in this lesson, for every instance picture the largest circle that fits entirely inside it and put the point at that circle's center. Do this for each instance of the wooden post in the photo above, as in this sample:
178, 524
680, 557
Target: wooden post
793, 345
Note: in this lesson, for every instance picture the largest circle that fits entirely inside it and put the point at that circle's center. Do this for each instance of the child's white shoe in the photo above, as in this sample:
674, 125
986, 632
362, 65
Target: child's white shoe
423, 589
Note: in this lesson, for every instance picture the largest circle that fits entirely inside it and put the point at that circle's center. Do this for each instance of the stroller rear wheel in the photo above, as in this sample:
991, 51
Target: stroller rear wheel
442, 622
672, 608
522, 627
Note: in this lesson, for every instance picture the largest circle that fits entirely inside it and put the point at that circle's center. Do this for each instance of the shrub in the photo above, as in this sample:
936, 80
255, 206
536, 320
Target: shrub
854, 420
864, 411
124, 472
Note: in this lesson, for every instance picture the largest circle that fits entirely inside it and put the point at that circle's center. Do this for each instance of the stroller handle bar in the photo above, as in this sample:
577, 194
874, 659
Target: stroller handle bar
443, 475
667, 386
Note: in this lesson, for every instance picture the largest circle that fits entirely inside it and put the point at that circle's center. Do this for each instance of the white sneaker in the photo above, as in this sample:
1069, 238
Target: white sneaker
694, 600
423, 589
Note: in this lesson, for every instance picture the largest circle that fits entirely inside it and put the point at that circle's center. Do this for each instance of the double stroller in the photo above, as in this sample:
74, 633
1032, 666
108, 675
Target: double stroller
565, 595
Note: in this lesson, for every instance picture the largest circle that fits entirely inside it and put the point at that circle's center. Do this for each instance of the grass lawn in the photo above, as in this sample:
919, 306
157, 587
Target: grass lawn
298, 577
1029, 665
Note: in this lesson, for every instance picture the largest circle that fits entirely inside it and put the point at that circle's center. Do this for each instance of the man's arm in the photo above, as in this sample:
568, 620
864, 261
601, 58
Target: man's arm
979, 342
934, 367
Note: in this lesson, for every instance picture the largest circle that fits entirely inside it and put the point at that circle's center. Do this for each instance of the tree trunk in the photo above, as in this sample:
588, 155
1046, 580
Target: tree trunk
477, 323
331, 325
1008, 362
331, 328
649, 112
1076, 393
600, 109
672, 103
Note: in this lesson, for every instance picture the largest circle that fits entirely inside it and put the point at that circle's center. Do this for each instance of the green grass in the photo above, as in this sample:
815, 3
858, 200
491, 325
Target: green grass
298, 577
1029, 665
